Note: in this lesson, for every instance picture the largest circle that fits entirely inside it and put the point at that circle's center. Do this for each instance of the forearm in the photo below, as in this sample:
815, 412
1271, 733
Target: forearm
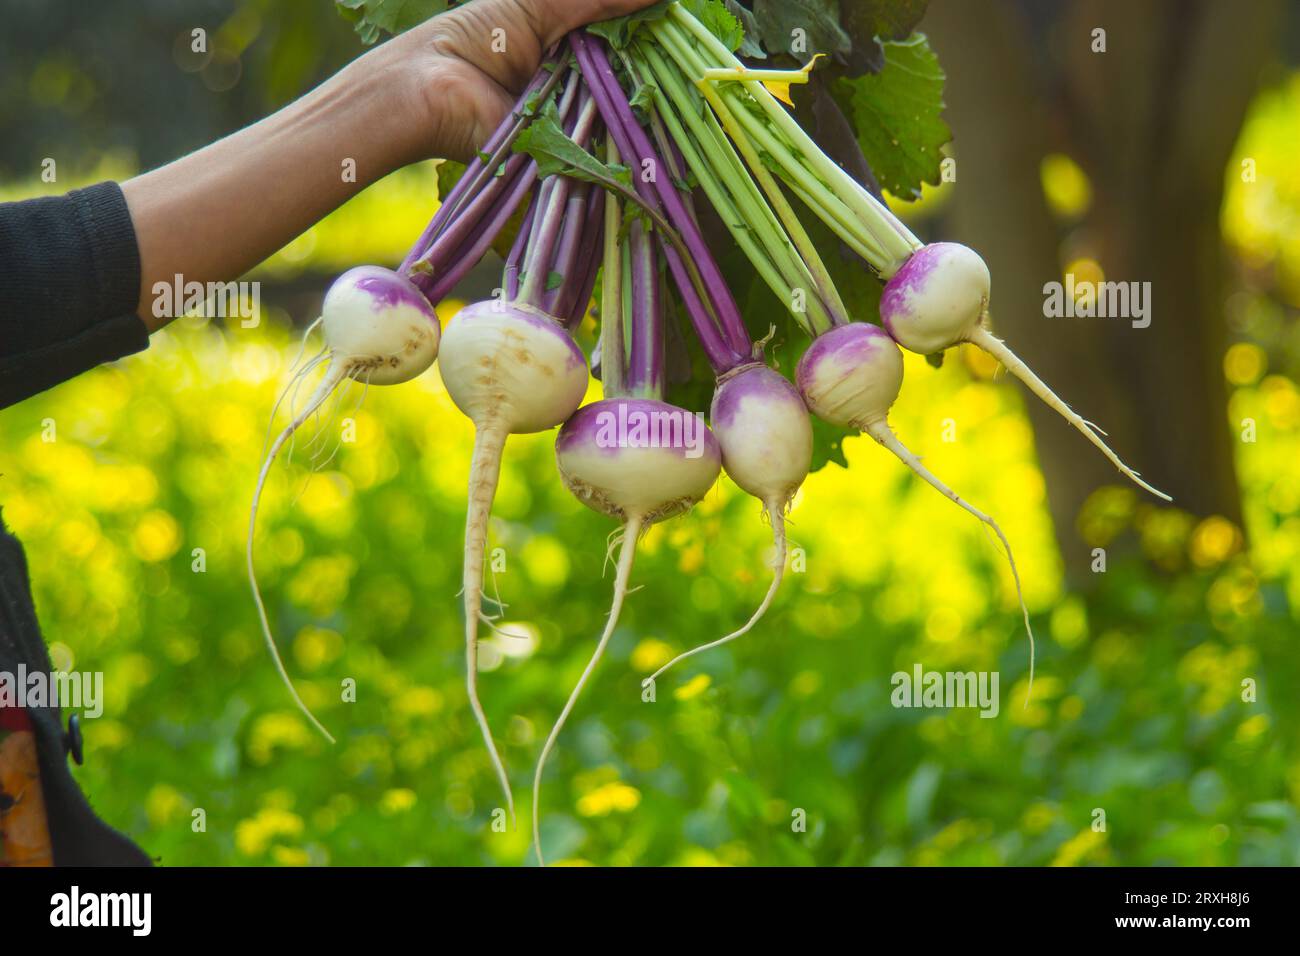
216, 213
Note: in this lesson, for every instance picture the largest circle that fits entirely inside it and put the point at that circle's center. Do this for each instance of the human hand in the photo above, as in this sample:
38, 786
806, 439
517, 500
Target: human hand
436, 91
465, 68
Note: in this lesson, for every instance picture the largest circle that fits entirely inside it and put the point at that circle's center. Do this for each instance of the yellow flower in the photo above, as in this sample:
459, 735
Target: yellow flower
693, 687
609, 798
397, 800
157, 536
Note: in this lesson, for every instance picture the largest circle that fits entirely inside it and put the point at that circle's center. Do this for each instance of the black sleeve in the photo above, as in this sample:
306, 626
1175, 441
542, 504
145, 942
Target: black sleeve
77, 836
69, 283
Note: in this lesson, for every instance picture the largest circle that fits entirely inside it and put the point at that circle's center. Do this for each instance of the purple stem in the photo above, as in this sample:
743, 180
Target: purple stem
468, 219
515, 260
727, 350
575, 221
472, 170
449, 242
436, 287
573, 304
539, 261
645, 375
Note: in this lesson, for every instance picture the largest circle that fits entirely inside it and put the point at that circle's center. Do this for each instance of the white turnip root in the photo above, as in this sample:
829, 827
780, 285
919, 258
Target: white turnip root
939, 298
766, 439
635, 482
379, 329
850, 377
512, 370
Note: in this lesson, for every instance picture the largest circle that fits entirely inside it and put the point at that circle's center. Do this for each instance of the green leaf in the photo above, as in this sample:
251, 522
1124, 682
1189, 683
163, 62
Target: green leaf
618, 31
714, 14
886, 19
373, 17
869, 22
554, 280
643, 98
557, 154
750, 47
897, 116
719, 21
801, 28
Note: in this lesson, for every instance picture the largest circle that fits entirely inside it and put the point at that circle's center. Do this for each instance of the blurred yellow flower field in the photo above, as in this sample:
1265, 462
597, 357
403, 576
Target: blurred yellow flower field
130, 488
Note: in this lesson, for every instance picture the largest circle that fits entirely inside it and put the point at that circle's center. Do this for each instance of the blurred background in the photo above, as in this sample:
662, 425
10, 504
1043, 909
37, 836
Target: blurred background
1170, 158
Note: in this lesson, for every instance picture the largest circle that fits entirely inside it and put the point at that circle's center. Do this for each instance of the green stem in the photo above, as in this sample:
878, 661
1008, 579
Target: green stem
822, 284
798, 177
821, 277
897, 240
762, 76
613, 353
745, 213
852, 241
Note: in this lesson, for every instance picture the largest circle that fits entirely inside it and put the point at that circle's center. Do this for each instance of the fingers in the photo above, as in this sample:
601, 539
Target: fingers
552, 19
498, 37
506, 38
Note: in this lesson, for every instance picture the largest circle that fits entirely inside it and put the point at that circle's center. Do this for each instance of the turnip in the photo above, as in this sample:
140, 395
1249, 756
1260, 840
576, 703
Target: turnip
765, 435
379, 329
513, 368
850, 377
939, 298
852, 373
936, 296
760, 421
631, 456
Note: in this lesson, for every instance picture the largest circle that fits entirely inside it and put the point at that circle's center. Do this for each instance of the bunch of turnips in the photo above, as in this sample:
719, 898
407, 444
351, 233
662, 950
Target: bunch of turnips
594, 170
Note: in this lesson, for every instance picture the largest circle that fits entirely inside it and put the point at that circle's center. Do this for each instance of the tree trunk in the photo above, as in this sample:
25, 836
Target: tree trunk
1152, 121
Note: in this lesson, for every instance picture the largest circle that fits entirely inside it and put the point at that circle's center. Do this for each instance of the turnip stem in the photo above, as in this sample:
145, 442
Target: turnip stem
805, 182
461, 231
451, 203
334, 375
437, 287
575, 222
613, 350
626, 554
701, 284
572, 306
823, 286
822, 283
881, 432
484, 471
891, 235
731, 190
775, 511
540, 258
984, 339
646, 361
515, 260
761, 76
524, 113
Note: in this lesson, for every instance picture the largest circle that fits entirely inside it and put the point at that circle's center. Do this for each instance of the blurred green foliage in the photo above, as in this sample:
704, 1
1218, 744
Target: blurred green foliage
1138, 706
